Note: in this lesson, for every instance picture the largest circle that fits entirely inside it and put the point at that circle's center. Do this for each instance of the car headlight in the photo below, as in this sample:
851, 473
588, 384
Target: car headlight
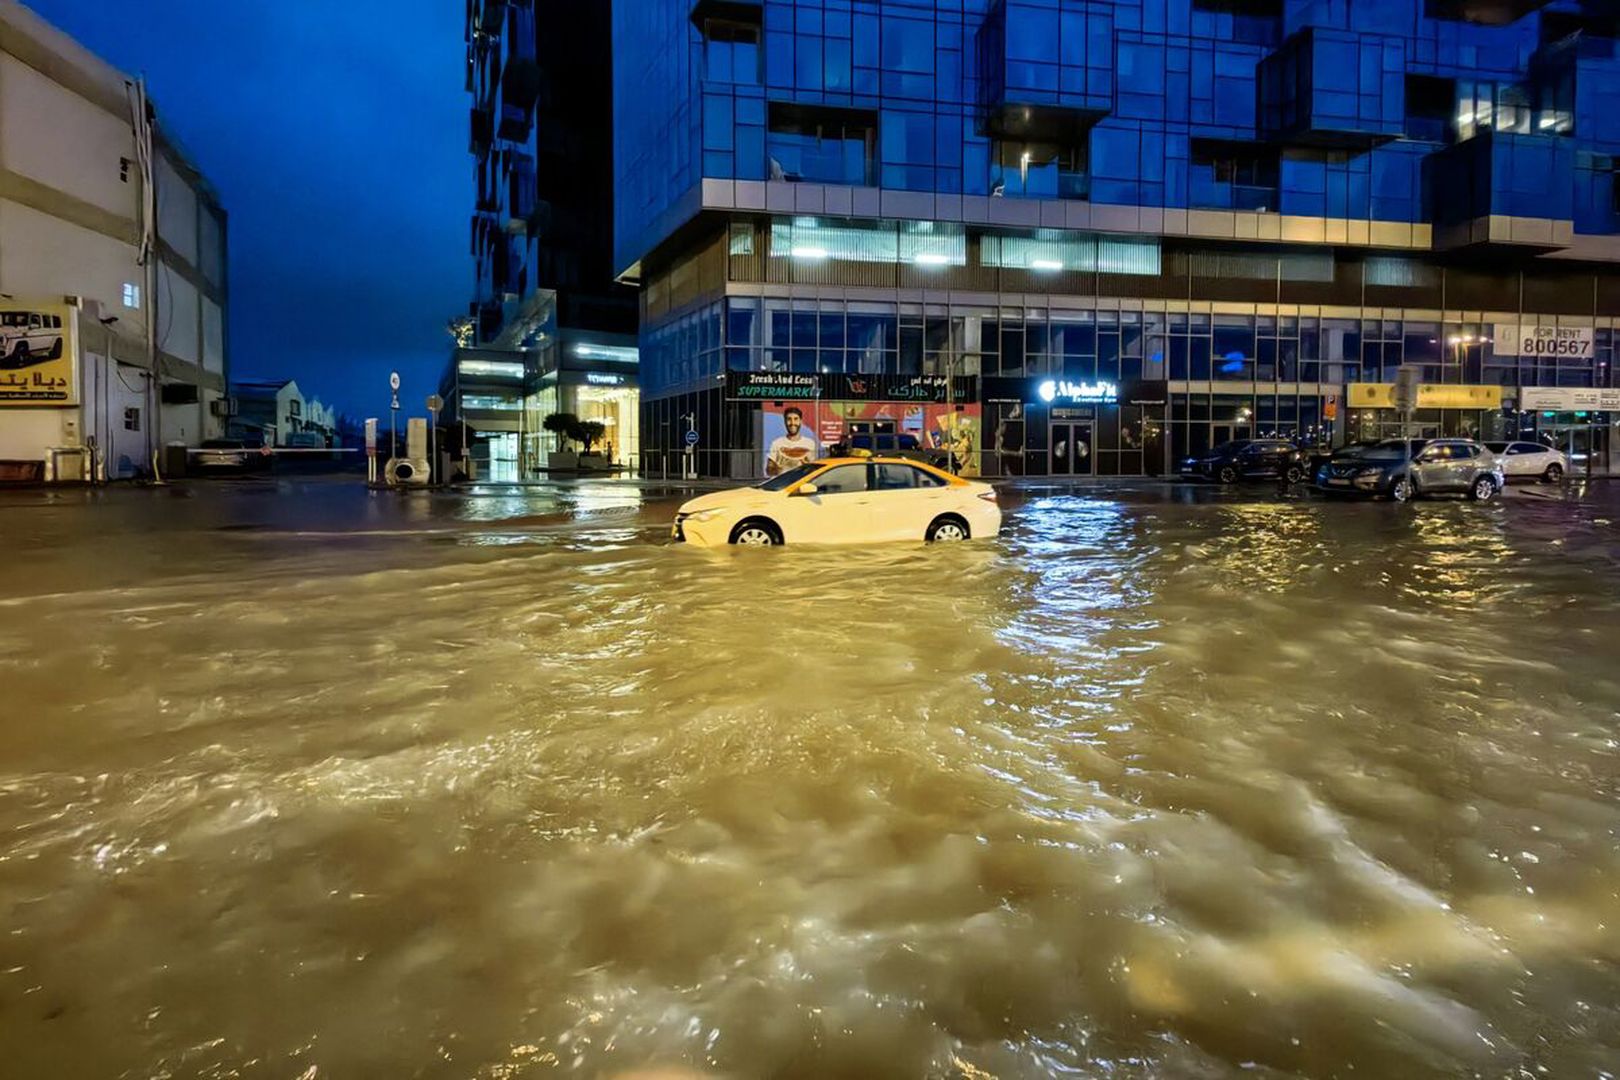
701, 516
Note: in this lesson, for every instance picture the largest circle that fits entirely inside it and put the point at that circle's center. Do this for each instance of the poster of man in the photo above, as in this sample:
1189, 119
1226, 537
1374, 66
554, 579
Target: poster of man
793, 447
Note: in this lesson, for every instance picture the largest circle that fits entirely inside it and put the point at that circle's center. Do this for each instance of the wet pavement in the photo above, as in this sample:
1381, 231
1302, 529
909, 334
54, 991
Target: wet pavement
299, 780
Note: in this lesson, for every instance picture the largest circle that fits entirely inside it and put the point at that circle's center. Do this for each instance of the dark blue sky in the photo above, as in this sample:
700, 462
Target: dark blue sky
336, 135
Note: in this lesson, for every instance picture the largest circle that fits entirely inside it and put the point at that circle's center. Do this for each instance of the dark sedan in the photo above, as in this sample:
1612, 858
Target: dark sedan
1248, 459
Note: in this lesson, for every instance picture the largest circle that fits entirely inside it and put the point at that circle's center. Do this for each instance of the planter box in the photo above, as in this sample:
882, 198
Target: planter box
562, 461
594, 463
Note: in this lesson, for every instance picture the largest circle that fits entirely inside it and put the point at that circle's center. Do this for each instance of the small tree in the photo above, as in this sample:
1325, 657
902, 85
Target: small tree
591, 432
564, 425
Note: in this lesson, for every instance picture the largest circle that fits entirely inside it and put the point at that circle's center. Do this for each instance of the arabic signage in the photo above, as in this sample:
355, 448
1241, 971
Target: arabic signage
38, 350
1429, 396
1568, 399
808, 386
1529, 339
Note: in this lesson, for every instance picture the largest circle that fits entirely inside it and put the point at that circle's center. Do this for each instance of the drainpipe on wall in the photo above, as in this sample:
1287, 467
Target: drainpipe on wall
146, 257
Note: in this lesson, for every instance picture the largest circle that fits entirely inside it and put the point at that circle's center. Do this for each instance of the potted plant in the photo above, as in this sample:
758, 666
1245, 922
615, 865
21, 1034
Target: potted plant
591, 432
566, 427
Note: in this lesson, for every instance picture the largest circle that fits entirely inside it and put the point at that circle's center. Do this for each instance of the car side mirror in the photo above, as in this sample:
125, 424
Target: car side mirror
806, 489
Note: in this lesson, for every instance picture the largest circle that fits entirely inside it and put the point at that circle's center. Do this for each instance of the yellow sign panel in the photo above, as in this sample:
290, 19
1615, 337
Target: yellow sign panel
37, 354
1381, 395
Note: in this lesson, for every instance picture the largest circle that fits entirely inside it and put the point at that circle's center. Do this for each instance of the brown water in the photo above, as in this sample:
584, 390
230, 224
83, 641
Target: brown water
506, 789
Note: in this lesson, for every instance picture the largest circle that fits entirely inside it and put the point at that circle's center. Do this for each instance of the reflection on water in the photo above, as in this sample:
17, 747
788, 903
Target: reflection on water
1143, 789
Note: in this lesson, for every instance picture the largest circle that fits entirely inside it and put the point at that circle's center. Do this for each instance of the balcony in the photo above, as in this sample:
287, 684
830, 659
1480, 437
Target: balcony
489, 15
1045, 75
1333, 90
522, 193
515, 122
520, 71
483, 130
1502, 190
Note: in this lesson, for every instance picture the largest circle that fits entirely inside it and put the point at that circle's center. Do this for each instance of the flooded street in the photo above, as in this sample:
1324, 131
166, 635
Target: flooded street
317, 783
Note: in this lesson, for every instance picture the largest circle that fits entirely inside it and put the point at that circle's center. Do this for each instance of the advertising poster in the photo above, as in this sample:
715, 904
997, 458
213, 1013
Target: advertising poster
37, 354
800, 431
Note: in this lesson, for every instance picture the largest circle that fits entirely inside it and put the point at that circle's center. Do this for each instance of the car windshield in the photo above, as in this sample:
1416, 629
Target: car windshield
1390, 450
789, 478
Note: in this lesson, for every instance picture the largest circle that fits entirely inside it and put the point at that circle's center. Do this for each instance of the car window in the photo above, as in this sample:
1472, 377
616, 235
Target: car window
904, 477
841, 480
783, 481
1527, 448
1435, 453
1499, 447
1463, 451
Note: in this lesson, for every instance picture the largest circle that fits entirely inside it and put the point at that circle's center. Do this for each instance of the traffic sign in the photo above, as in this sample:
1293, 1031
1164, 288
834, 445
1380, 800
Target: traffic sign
393, 380
691, 437
434, 403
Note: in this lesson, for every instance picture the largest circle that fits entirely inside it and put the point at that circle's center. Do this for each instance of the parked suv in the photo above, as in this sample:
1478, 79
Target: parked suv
1247, 459
1404, 468
1528, 459
28, 337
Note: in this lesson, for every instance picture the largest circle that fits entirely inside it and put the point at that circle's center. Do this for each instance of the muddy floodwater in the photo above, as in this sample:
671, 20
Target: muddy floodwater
301, 782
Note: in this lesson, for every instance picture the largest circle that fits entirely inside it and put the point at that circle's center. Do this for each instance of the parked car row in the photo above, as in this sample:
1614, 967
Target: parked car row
1398, 469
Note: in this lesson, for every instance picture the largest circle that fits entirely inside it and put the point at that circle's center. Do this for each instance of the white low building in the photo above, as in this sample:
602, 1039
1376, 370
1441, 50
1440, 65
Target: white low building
84, 387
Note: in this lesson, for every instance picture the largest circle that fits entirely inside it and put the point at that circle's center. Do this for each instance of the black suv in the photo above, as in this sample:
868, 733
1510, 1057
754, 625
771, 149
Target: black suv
1404, 468
1243, 459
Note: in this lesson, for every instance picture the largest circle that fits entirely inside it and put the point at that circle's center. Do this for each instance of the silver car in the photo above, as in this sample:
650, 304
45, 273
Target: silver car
1525, 460
1401, 469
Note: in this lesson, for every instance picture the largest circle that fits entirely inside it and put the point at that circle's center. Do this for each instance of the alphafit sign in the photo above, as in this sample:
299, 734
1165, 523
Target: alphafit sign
1065, 392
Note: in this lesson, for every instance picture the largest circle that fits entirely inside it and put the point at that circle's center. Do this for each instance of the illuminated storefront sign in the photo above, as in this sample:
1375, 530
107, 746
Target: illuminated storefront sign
1081, 393
604, 378
1430, 396
806, 386
1568, 399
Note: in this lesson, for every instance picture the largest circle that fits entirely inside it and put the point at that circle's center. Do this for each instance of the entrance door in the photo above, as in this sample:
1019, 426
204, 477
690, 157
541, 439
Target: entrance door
1071, 449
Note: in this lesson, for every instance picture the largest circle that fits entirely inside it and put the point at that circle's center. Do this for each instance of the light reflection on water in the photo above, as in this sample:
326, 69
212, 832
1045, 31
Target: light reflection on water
1142, 789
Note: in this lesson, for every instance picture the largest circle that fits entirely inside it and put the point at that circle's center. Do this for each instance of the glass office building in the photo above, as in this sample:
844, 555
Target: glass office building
1071, 237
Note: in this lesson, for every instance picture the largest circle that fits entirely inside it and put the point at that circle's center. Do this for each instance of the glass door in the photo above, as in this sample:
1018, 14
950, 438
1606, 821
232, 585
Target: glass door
1071, 449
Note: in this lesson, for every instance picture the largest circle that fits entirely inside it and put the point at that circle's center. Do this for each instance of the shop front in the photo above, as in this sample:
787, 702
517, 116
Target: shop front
1580, 421
792, 417
595, 382
1051, 426
1444, 410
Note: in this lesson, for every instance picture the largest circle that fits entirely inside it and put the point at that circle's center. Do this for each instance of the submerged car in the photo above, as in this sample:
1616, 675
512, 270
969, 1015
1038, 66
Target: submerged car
1248, 459
1521, 460
843, 500
1402, 469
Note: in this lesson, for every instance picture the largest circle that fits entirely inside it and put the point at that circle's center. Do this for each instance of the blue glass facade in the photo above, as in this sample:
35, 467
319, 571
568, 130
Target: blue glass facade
1429, 168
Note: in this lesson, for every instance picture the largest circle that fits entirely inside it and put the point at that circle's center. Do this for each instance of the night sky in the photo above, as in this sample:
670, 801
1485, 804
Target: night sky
336, 136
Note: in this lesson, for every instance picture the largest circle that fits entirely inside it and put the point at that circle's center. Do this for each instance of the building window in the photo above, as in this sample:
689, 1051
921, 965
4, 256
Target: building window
295, 408
1033, 170
1484, 105
1430, 107
831, 146
731, 51
132, 296
1232, 176
132, 419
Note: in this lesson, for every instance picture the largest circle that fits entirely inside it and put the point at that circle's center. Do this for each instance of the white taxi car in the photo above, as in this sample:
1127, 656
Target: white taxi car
847, 500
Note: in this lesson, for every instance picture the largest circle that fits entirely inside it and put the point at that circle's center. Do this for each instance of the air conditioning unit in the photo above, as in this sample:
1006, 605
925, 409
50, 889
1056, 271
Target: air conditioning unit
222, 407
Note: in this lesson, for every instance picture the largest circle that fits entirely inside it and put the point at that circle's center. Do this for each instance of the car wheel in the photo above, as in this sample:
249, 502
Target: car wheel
1294, 474
20, 354
1482, 491
1401, 490
1554, 473
1227, 475
756, 532
56, 350
946, 529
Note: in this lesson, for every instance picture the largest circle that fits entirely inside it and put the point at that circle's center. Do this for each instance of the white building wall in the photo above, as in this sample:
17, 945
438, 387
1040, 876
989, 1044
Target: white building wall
46, 258
177, 211
177, 315
54, 136
213, 342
